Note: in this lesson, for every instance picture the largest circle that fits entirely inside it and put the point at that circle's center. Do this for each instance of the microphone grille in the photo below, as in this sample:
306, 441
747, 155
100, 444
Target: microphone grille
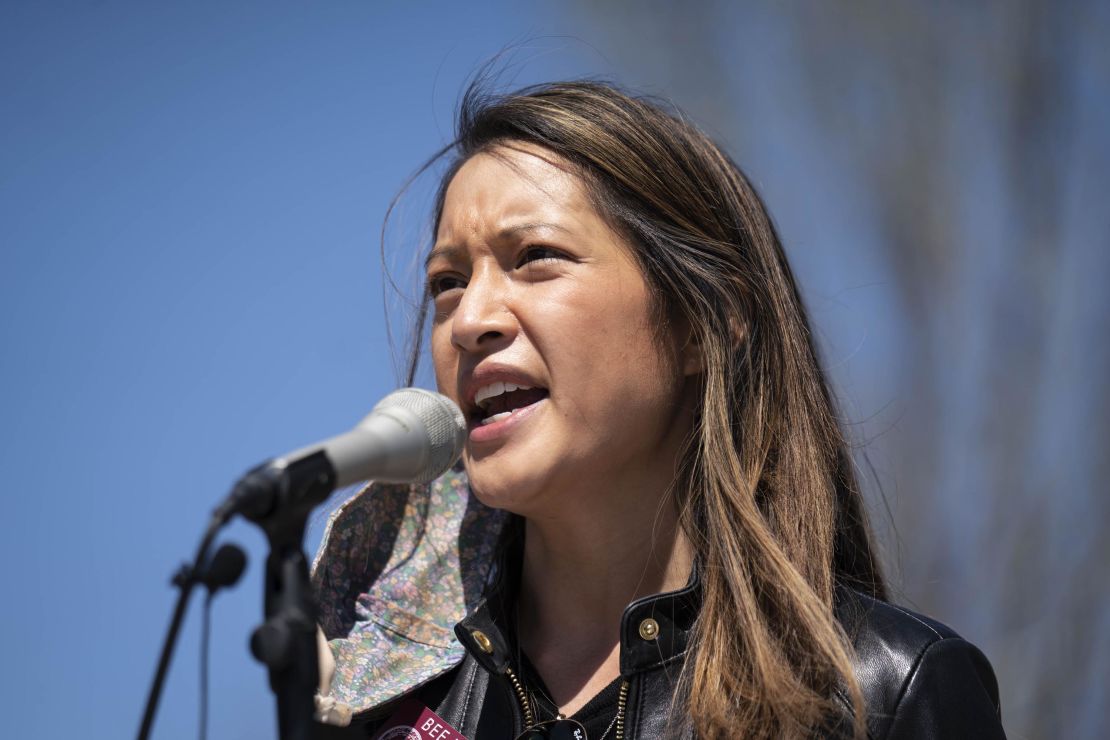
443, 421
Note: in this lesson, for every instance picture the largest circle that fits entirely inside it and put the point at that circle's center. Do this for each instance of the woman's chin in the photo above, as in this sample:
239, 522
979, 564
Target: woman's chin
505, 484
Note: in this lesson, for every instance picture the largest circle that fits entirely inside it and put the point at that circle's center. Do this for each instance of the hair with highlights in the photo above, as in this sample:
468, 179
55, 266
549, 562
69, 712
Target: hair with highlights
766, 491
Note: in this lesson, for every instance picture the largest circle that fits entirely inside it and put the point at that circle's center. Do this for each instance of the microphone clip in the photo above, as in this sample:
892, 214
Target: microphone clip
278, 492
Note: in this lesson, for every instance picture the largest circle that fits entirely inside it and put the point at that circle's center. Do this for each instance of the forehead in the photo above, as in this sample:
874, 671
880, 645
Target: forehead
510, 184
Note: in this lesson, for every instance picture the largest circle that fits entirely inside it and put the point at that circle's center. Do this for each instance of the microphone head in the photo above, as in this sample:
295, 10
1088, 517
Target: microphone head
443, 421
225, 568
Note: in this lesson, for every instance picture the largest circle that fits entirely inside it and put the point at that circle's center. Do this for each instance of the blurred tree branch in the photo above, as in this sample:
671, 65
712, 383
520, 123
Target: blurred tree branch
979, 137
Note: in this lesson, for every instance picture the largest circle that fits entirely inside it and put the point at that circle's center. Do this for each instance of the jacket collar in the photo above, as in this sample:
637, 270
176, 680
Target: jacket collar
655, 630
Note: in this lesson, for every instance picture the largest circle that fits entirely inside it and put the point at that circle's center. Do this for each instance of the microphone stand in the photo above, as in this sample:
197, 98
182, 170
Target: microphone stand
185, 579
279, 498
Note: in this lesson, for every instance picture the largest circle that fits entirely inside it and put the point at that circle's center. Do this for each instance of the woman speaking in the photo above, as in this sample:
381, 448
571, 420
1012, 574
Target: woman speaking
656, 530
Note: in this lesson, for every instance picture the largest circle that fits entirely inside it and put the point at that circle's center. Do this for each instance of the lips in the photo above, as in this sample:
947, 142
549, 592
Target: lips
496, 394
496, 429
499, 407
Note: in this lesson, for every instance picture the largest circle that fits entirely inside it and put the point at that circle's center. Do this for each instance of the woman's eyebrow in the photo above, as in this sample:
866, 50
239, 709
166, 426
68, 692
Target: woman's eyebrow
446, 252
516, 229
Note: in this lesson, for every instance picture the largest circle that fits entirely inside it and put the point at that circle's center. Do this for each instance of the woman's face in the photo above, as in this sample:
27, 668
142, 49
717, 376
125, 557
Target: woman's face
545, 335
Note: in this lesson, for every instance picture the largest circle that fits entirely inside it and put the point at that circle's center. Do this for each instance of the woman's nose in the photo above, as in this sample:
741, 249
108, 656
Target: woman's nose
482, 320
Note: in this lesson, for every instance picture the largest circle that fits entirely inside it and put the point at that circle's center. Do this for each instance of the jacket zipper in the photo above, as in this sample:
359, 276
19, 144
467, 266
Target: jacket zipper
526, 707
622, 702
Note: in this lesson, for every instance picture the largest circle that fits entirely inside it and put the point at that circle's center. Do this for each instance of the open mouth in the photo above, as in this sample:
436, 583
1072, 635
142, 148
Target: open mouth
498, 401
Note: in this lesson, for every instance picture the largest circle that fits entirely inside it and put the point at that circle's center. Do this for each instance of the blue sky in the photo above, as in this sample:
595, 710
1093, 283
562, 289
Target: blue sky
190, 202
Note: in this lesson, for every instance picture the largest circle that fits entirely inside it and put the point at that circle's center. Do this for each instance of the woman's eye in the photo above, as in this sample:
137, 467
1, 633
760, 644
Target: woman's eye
439, 284
539, 254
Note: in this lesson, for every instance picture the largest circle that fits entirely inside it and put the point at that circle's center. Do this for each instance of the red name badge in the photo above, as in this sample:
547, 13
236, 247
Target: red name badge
414, 721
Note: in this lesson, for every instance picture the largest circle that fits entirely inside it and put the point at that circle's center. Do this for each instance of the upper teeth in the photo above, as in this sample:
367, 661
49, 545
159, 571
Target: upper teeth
486, 392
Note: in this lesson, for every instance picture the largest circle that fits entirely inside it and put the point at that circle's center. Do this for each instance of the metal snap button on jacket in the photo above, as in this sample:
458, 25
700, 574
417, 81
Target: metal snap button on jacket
483, 641
649, 629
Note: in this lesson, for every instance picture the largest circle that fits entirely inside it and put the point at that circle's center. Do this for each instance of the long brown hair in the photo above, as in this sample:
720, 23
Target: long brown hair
766, 493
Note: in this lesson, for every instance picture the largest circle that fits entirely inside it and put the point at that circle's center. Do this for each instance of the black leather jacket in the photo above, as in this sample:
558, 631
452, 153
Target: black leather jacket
919, 678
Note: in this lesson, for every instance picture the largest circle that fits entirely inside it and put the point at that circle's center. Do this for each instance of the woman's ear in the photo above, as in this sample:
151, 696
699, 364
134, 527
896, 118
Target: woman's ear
691, 354
691, 358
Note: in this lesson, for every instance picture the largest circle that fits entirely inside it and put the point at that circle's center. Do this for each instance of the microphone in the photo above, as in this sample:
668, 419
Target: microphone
411, 436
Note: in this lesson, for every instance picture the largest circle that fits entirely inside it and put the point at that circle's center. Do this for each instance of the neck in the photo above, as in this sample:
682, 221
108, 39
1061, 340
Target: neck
580, 572
590, 572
